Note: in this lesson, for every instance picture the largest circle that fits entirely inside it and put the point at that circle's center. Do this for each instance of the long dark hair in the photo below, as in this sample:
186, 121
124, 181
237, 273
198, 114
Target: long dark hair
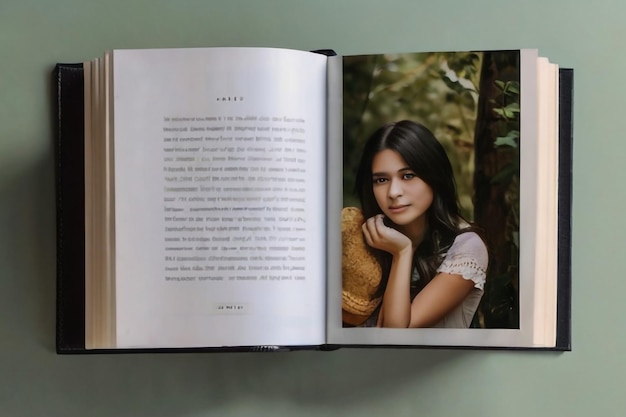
426, 157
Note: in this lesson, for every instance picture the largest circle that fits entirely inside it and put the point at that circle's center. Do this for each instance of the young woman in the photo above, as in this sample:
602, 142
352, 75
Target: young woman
433, 262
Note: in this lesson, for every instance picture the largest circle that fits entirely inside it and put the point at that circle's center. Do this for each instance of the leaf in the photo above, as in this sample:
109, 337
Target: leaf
505, 141
453, 84
512, 87
509, 111
508, 140
513, 107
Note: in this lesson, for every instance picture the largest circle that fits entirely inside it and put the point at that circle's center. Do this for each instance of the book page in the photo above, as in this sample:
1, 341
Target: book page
219, 191
547, 203
483, 157
99, 299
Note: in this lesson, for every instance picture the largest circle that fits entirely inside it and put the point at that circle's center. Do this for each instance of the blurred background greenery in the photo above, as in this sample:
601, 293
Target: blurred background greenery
470, 101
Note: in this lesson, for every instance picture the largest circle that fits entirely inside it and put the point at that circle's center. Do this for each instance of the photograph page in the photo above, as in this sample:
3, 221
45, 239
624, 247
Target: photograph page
439, 221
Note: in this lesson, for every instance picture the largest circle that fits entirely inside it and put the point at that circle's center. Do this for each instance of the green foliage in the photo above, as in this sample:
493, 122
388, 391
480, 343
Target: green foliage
500, 303
509, 123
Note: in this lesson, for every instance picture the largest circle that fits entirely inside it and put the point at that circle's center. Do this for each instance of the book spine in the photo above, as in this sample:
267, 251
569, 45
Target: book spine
70, 214
566, 135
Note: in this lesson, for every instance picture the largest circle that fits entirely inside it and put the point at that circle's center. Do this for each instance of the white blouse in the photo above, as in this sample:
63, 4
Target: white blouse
468, 258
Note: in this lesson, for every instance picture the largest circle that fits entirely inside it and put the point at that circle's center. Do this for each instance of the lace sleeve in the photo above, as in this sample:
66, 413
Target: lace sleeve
467, 257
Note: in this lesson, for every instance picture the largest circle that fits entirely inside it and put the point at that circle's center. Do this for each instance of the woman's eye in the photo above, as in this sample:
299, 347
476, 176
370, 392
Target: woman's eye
408, 176
379, 180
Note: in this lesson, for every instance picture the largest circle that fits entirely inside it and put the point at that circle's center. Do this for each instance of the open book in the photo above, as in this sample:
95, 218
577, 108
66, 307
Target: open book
200, 191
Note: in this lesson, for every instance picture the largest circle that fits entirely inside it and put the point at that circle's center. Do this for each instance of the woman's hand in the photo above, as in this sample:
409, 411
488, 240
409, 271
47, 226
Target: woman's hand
396, 307
380, 236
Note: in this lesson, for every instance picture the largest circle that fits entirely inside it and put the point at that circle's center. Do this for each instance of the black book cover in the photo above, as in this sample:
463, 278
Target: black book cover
70, 212
564, 293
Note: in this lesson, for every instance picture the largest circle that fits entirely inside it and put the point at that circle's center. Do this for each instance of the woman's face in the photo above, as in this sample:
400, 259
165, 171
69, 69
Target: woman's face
402, 196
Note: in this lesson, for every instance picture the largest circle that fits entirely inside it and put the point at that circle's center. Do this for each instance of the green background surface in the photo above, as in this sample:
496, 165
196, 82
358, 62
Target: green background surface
34, 381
